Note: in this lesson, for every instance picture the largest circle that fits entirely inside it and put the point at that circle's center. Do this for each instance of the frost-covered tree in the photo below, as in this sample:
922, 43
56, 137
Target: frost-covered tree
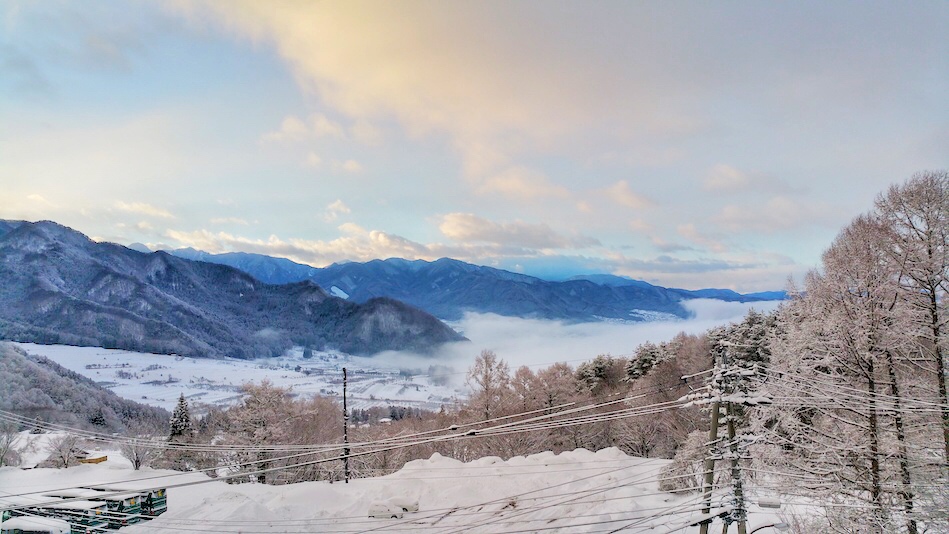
268, 415
489, 379
645, 358
601, 375
180, 423
8, 437
916, 215
557, 385
527, 390
833, 420
63, 450
140, 448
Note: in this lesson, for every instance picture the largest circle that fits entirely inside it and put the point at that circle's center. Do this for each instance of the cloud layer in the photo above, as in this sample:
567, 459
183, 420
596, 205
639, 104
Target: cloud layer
540, 343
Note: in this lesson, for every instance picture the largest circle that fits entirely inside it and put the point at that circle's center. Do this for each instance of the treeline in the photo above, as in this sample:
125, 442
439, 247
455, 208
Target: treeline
233, 441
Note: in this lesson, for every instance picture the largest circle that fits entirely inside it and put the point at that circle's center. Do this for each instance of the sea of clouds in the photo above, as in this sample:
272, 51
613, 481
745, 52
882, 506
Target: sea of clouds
539, 343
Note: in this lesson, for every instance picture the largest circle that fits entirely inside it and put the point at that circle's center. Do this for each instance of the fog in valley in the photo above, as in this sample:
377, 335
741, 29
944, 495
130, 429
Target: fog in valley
540, 343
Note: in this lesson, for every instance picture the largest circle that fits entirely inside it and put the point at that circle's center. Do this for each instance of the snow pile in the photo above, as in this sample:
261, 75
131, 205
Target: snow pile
578, 491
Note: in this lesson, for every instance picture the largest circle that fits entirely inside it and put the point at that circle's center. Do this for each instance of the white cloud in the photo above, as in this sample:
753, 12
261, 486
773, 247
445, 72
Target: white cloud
313, 160
778, 214
622, 194
39, 199
323, 126
640, 225
334, 210
725, 178
144, 209
523, 183
541, 343
364, 132
744, 273
708, 241
467, 227
355, 244
480, 242
350, 166
291, 129
666, 246
508, 98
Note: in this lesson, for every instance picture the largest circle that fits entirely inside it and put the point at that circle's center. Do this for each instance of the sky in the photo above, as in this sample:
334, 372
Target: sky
688, 144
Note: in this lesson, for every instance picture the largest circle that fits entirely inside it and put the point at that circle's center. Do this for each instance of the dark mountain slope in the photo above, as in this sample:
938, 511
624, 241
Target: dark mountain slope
57, 286
448, 288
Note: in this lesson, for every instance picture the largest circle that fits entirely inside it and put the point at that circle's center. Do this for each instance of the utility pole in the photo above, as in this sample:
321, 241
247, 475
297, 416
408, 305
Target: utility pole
714, 390
345, 431
710, 468
738, 511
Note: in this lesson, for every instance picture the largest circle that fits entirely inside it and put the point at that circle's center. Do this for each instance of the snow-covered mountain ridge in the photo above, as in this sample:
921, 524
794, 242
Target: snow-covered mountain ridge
448, 288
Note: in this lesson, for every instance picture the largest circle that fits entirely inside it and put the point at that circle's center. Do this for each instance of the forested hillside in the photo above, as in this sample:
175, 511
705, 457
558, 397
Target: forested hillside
39, 389
58, 286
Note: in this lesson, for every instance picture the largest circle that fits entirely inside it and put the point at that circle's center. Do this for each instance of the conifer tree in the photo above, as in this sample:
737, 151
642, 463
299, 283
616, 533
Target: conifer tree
181, 427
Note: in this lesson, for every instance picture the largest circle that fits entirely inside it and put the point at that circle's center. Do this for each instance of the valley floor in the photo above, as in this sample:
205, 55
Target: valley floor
158, 379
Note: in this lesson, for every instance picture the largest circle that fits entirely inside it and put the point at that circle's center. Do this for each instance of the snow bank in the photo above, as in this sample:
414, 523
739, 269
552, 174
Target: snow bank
578, 491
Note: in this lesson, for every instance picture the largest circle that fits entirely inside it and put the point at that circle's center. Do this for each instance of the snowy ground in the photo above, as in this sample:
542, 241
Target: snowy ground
158, 380
578, 491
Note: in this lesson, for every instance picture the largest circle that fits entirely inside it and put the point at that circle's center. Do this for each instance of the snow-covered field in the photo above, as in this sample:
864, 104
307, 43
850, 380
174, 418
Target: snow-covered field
578, 491
158, 380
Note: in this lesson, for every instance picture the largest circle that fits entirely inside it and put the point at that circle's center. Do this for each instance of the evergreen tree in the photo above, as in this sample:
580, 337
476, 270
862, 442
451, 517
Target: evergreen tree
180, 423
647, 355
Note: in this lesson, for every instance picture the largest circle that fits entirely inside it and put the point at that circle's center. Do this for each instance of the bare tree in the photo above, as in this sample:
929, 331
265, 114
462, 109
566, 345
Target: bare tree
269, 415
489, 379
64, 450
839, 393
917, 217
8, 437
140, 448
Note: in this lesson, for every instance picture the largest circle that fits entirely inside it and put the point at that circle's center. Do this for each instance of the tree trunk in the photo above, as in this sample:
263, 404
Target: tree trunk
902, 455
940, 374
876, 484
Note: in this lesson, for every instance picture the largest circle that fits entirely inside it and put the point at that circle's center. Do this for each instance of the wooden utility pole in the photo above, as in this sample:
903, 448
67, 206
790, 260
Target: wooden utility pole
710, 468
736, 471
345, 431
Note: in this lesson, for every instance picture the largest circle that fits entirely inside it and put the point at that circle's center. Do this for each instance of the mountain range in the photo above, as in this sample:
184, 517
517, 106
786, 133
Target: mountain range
448, 288
58, 286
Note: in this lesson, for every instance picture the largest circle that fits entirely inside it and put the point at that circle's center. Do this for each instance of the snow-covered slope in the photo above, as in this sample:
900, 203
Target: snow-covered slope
578, 491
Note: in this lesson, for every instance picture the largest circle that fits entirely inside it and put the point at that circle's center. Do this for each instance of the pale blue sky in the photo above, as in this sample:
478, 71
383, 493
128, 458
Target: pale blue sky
690, 144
